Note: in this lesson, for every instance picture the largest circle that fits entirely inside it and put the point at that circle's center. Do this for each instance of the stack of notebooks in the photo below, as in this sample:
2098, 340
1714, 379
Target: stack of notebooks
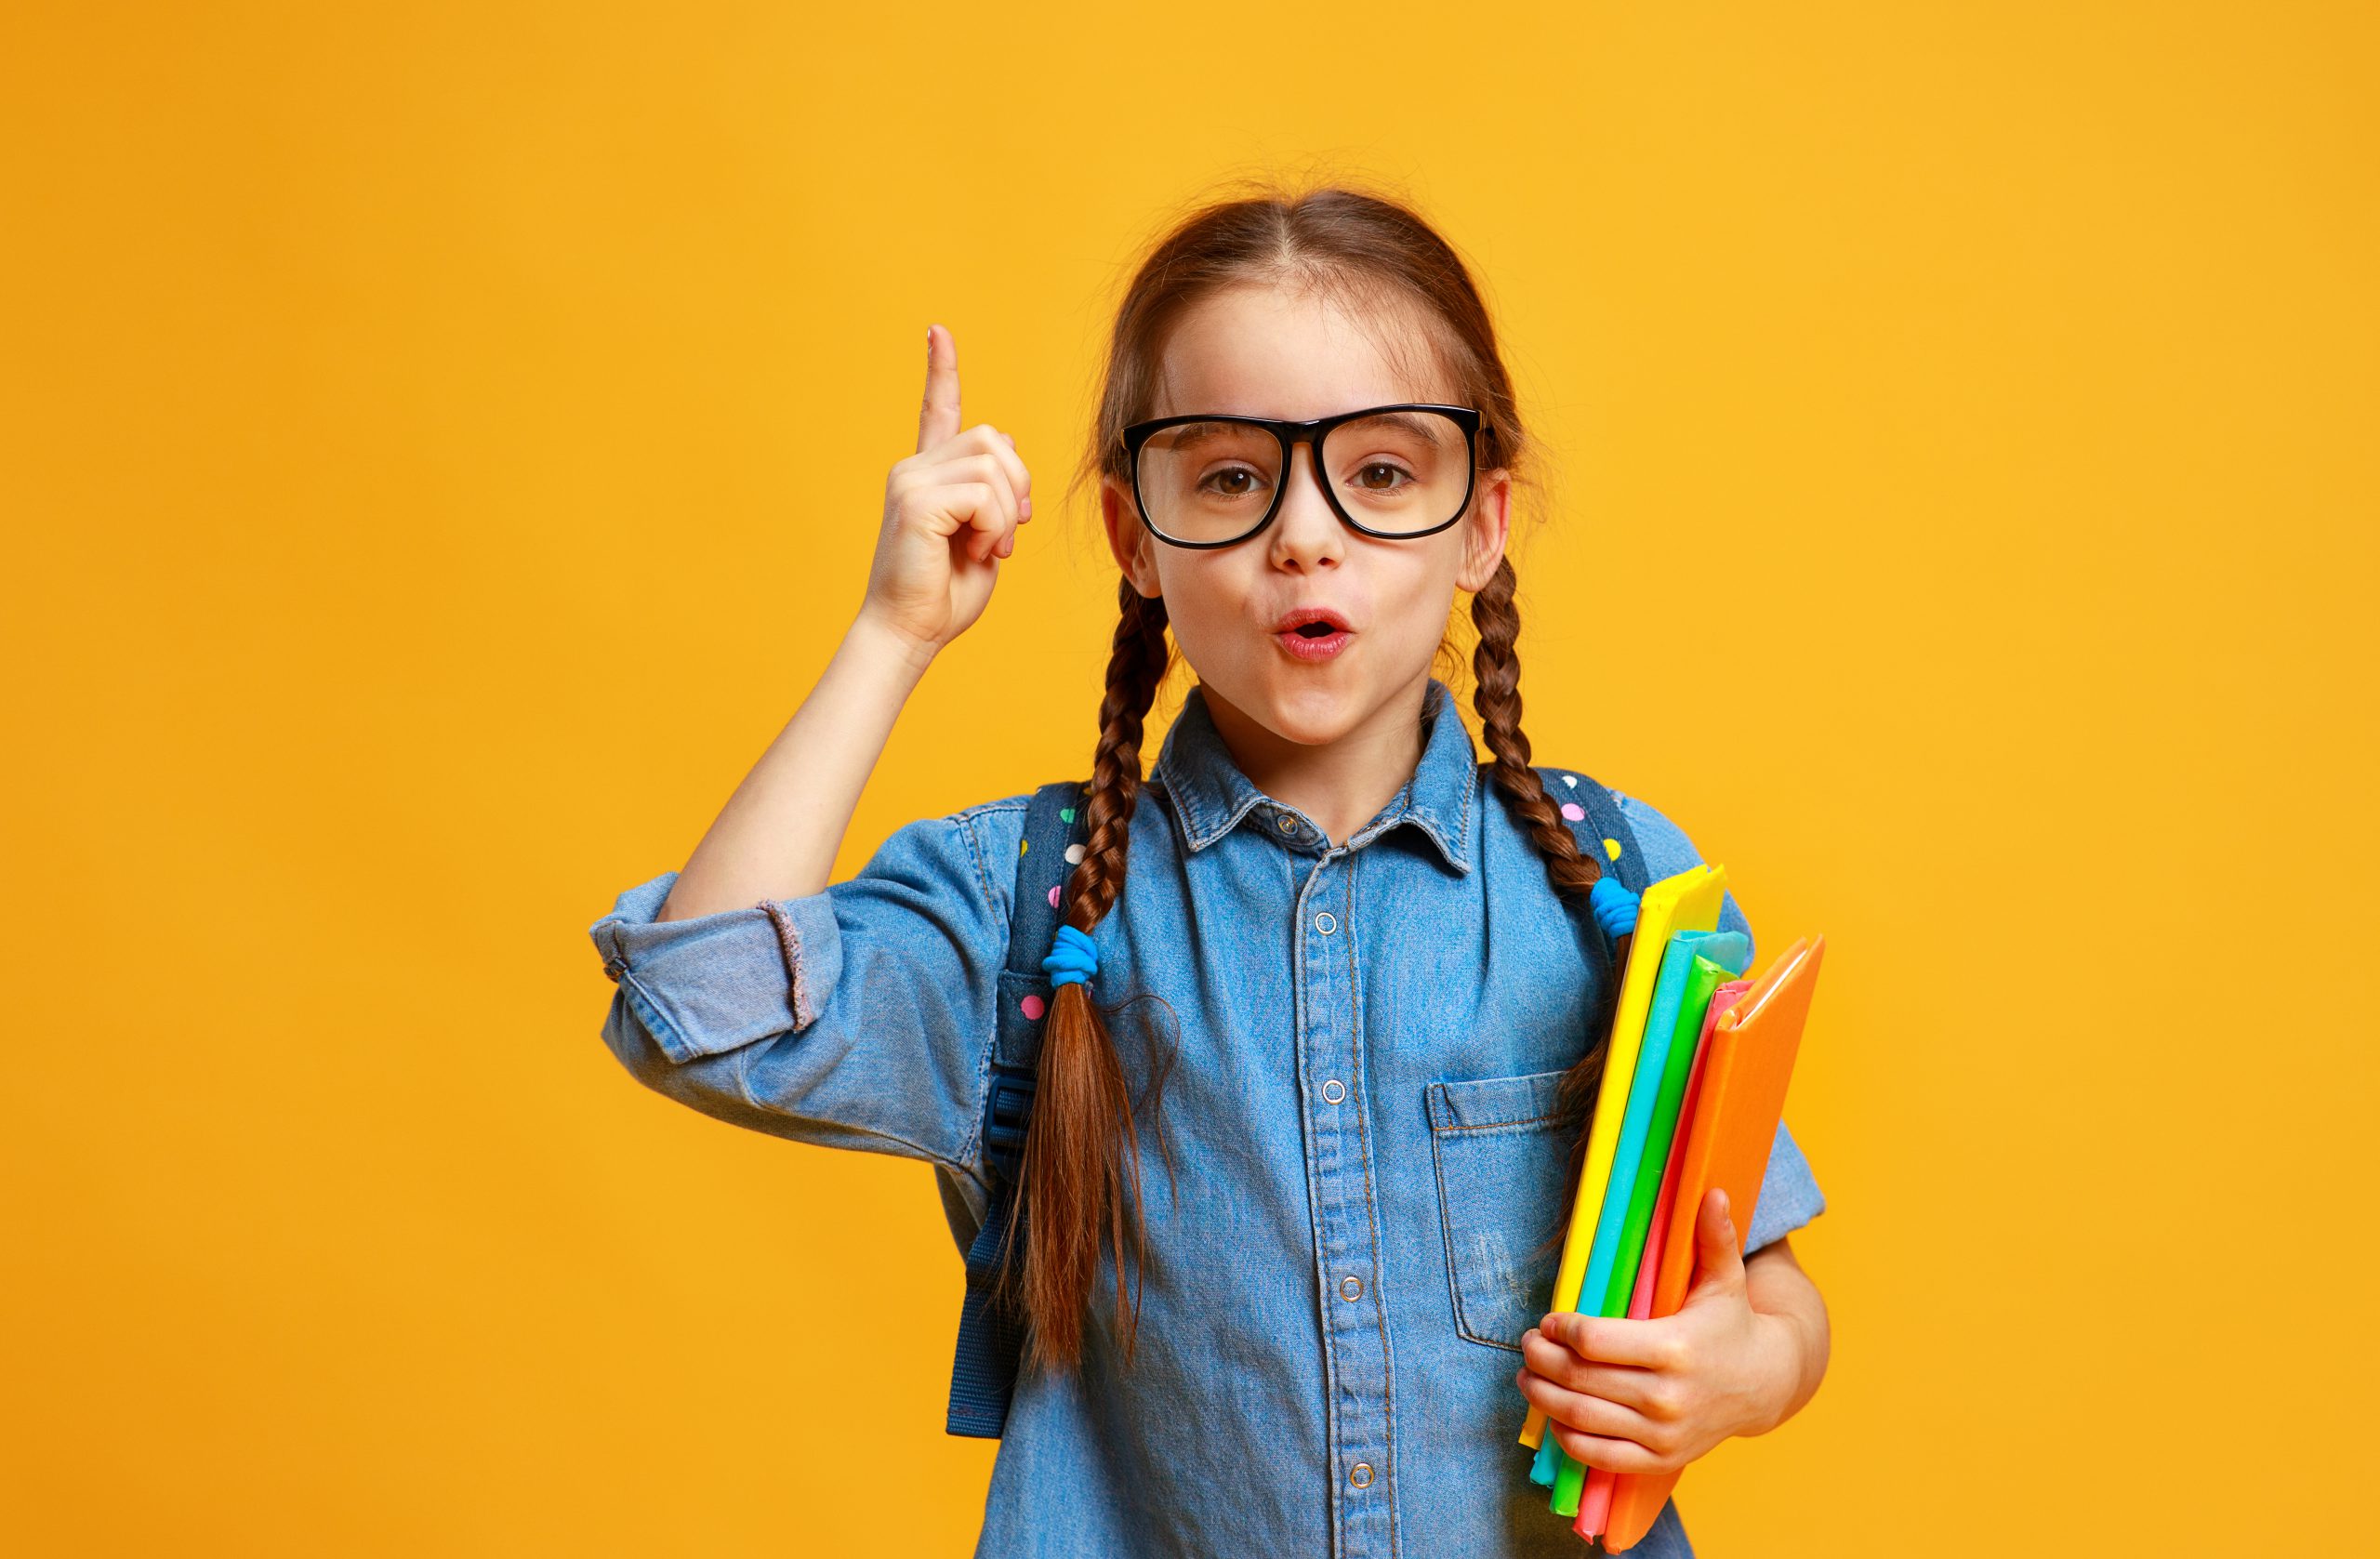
1693, 1091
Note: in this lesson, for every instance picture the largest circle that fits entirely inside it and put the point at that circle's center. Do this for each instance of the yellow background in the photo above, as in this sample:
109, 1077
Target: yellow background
439, 443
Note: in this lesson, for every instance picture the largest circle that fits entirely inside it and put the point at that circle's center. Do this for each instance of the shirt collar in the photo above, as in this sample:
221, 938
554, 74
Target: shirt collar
1210, 794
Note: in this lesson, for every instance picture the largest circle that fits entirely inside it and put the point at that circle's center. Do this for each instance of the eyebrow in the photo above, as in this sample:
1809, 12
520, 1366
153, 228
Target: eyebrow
1213, 425
1190, 435
1416, 423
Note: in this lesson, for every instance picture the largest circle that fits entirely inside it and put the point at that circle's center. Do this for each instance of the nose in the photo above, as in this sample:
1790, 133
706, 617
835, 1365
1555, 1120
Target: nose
1306, 534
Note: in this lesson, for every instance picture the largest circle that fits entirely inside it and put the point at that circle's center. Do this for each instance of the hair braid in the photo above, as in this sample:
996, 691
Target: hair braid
1496, 669
1082, 1143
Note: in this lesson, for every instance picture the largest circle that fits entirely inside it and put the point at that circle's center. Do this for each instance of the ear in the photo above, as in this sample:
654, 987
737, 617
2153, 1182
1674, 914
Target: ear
1134, 548
1485, 529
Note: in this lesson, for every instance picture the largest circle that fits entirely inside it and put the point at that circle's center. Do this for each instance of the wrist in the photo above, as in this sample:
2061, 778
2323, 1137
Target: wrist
1782, 1352
880, 643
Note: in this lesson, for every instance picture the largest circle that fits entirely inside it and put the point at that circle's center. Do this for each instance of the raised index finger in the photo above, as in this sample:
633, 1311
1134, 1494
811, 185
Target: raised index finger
938, 417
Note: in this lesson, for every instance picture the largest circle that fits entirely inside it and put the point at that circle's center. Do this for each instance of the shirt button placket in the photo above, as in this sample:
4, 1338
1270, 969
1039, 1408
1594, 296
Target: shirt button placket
1340, 1177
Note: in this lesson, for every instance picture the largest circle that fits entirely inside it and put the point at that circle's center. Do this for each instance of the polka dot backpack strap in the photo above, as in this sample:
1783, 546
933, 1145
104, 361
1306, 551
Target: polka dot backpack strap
991, 1336
1595, 816
1603, 832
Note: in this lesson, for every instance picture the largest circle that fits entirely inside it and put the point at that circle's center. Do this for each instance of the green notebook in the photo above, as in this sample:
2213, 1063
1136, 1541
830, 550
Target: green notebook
1661, 1134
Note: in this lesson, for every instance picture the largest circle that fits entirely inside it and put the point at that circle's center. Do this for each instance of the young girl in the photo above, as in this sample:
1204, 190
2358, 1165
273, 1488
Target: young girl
1313, 1075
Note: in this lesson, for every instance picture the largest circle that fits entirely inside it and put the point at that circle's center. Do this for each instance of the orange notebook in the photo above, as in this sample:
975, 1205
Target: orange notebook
1736, 1110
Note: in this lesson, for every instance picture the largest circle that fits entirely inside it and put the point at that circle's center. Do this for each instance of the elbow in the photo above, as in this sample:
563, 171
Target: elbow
712, 1083
634, 1045
709, 1084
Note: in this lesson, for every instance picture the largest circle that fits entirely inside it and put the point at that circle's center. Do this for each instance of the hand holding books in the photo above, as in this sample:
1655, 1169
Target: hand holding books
1692, 1096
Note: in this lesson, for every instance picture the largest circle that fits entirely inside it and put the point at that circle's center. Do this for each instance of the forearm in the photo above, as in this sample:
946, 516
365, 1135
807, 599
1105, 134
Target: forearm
777, 836
1794, 1311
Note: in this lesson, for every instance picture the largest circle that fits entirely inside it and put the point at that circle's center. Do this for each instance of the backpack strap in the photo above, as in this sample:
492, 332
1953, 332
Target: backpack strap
991, 1333
1604, 835
1601, 828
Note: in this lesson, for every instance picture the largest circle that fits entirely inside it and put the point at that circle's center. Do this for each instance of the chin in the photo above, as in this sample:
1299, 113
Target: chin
1307, 712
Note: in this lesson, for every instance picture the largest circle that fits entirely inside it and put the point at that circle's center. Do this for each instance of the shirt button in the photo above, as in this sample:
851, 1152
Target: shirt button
1287, 824
1334, 1090
1326, 923
1351, 1287
1360, 1475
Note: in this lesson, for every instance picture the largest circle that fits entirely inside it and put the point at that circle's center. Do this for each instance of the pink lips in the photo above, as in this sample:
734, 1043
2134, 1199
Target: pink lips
1321, 647
1312, 646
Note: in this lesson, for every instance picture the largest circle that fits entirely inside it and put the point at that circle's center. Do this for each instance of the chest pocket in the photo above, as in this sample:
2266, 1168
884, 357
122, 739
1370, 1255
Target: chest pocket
1501, 1159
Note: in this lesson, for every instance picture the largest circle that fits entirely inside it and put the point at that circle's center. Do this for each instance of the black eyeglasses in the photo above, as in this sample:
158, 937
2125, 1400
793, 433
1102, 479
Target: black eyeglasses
1395, 471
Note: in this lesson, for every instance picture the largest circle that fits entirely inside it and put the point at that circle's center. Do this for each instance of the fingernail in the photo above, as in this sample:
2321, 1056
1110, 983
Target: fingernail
1026, 509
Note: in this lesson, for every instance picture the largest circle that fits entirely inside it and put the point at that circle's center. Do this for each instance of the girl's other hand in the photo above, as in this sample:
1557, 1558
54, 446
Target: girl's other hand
951, 512
1650, 1396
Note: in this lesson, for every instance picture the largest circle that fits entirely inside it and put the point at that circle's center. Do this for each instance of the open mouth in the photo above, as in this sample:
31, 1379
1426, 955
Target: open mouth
1311, 634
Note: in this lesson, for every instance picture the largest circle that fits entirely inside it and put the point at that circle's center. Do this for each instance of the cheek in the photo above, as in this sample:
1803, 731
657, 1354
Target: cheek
1419, 603
1206, 609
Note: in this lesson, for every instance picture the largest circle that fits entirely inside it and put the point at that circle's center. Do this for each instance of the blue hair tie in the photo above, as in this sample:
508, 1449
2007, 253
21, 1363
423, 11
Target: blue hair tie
1073, 959
1614, 906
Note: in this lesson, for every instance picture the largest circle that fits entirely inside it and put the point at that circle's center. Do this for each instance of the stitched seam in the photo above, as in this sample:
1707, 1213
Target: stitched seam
1300, 1004
1496, 1125
973, 1153
1186, 808
968, 1151
1172, 803
1463, 822
654, 1019
1446, 1234
1247, 804
975, 857
1371, 1209
1462, 1323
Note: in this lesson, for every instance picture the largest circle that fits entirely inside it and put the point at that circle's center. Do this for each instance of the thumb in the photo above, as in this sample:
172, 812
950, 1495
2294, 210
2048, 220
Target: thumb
1718, 1253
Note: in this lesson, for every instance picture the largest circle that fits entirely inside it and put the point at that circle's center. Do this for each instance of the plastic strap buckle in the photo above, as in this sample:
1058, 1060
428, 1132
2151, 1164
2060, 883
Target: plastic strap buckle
1007, 1113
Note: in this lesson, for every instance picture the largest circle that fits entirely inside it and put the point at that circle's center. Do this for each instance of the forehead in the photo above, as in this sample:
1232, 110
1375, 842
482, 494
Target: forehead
1271, 352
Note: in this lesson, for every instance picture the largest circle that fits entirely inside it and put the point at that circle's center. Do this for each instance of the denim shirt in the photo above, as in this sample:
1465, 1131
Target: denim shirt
1366, 1037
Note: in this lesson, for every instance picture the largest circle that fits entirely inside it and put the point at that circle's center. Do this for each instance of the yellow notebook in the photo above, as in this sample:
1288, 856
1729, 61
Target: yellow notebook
1688, 902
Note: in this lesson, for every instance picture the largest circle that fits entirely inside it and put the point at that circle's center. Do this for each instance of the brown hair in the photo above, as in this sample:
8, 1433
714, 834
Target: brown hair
1359, 248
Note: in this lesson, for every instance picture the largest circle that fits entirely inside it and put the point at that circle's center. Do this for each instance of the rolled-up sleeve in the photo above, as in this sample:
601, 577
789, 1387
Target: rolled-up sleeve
1789, 1193
858, 1017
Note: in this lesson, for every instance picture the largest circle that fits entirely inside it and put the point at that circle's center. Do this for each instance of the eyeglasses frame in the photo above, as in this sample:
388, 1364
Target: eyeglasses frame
1290, 435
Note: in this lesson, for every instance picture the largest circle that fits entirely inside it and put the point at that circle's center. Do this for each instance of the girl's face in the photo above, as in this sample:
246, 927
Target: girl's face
1259, 351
